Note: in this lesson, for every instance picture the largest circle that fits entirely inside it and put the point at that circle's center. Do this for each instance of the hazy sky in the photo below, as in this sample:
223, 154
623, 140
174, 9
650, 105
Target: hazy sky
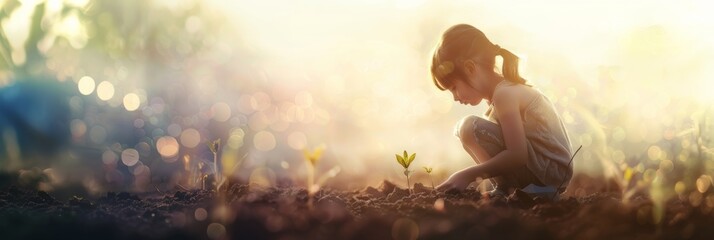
357, 73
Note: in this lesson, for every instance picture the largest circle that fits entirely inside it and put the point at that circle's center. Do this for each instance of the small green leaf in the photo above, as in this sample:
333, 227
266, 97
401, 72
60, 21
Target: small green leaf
628, 175
408, 160
214, 146
400, 160
411, 158
406, 156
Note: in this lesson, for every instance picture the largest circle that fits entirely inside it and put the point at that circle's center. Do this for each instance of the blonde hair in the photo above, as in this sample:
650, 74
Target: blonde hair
463, 42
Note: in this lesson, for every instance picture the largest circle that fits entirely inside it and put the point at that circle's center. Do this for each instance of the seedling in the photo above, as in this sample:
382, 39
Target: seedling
312, 157
405, 161
428, 172
215, 146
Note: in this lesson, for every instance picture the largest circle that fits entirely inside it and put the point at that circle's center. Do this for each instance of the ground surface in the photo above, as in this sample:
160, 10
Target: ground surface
382, 212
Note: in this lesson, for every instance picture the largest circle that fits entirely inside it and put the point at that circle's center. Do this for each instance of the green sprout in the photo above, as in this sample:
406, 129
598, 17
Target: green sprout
405, 161
428, 172
312, 157
215, 146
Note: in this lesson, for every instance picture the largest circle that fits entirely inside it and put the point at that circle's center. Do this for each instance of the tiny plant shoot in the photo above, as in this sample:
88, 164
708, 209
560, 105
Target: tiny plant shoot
428, 172
312, 157
405, 161
215, 146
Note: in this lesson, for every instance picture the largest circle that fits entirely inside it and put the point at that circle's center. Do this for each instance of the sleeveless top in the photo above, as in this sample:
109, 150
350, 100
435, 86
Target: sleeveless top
549, 149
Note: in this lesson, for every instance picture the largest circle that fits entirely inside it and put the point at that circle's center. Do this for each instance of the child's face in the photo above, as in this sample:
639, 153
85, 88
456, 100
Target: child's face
464, 93
472, 89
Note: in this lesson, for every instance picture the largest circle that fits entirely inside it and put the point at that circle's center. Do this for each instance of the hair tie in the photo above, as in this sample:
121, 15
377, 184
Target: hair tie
499, 50
445, 68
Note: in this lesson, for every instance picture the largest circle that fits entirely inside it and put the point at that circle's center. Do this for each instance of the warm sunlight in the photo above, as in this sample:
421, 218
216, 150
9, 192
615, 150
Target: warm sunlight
646, 59
321, 119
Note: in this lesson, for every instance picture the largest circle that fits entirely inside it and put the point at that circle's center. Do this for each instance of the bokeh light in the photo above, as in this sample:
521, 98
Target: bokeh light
703, 183
167, 146
109, 157
200, 214
221, 112
264, 141
141, 170
131, 102
130, 157
190, 138
439, 205
405, 229
105, 91
86, 85
143, 148
216, 231
236, 138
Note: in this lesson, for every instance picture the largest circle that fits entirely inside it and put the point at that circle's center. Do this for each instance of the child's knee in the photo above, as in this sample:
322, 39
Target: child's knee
464, 129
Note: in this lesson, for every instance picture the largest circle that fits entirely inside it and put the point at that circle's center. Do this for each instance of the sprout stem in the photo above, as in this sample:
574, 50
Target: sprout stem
432, 182
215, 167
408, 185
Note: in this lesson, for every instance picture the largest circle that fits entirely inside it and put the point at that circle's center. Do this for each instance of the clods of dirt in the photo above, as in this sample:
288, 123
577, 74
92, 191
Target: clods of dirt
382, 212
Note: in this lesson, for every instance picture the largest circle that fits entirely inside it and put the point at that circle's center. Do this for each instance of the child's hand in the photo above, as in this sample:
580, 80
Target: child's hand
457, 181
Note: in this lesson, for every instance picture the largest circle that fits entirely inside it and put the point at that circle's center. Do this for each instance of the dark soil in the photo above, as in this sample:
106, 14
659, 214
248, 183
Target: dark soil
384, 212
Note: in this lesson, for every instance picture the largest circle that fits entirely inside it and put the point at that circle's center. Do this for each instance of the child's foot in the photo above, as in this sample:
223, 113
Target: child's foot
496, 193
546, 192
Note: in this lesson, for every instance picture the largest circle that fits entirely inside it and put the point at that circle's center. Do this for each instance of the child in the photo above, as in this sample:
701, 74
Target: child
523, 140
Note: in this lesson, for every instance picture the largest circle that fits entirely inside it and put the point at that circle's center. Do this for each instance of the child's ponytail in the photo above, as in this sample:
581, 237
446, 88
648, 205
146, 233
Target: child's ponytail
463, 42
510, 65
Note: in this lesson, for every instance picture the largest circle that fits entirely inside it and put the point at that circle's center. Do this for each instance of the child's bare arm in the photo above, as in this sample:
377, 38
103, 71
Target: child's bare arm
516, 152
508, 103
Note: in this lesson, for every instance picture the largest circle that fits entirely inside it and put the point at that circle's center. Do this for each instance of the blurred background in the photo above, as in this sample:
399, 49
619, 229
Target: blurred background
125, 95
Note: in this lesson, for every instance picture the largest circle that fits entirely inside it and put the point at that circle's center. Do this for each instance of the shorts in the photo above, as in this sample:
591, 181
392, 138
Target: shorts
489, 136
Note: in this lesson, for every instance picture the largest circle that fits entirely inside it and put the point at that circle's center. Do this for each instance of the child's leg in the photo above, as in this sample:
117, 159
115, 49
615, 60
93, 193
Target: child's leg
483, 139
465, 130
